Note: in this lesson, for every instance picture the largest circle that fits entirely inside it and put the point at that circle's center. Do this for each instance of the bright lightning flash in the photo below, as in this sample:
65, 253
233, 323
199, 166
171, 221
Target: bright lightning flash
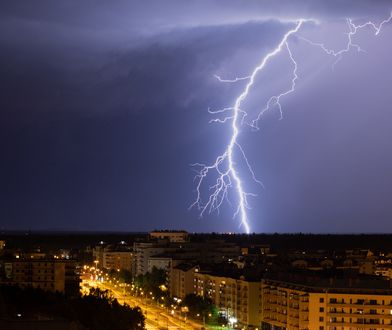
225, 166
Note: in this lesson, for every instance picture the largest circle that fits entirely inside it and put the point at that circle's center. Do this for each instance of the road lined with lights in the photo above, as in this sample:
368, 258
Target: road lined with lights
157, 317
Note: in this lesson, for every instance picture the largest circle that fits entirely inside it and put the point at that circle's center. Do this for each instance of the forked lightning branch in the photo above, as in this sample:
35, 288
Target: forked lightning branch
225, 170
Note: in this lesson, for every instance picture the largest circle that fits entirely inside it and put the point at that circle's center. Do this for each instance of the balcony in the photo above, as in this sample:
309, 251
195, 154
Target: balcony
359, 325
359, 304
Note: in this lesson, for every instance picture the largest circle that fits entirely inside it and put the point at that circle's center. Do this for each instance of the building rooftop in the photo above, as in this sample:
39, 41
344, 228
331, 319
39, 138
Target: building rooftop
232, 271
334, 283
185, 266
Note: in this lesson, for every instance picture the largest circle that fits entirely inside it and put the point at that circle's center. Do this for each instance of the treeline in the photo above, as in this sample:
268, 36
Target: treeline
96, 311
279, 242
306, 241
68, 240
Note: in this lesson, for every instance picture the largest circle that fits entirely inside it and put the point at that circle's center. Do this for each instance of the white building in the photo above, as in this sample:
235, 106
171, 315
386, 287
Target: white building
171, 236
142, 253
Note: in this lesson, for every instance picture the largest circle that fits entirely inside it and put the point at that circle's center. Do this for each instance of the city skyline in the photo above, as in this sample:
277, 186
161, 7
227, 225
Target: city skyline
105, 106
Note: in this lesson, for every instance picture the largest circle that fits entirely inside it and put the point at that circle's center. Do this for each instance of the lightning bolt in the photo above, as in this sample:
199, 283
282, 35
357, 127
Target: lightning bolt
353, 30
225, 167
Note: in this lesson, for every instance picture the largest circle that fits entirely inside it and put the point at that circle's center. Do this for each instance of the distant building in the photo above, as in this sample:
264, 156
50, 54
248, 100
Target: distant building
171, 236
385, 271
367, 267
255, 249
160, 262
117, 260
150, 253
143, 251
47, 274
98, 254
115, 256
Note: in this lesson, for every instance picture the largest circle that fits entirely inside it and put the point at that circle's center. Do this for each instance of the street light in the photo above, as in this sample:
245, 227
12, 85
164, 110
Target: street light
232, 321
184, 310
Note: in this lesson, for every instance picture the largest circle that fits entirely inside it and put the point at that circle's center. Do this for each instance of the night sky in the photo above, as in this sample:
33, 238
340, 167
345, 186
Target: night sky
104, 106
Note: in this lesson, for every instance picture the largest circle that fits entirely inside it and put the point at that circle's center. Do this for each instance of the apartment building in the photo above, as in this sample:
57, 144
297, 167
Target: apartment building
114, 256
237, 298
47, 274
149, 253
385, 271
117, 260
171, 236
160, 261
181, 281
143, 251
336, 306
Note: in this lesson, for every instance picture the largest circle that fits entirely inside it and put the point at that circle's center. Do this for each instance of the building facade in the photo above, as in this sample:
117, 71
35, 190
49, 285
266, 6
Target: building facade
142, 252
181, 281
321, 304
47, 274
236, 298
117, 260
172, 236
294, 306
116, 257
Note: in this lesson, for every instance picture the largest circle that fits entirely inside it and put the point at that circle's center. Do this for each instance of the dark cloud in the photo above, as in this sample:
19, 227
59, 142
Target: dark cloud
170, 71
103, 108
152, 15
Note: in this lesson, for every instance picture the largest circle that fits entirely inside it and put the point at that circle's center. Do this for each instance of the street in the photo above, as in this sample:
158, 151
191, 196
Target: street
157, 317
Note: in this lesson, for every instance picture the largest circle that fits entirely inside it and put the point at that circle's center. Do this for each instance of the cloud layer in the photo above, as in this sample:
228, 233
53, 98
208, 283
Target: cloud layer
104, 106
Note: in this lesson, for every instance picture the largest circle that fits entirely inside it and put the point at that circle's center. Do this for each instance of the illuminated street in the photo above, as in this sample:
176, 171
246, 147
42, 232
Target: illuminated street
156, 317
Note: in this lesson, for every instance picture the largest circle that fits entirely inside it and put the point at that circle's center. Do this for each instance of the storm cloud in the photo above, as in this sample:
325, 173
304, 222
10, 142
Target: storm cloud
104, 106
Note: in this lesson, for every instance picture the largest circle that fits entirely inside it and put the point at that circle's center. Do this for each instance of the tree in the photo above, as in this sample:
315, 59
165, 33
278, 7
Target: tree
198, 305
125, 276
97, 310
152, 281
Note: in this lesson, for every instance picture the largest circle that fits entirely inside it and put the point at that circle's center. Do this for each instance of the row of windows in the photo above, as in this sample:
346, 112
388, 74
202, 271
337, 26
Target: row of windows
356, 301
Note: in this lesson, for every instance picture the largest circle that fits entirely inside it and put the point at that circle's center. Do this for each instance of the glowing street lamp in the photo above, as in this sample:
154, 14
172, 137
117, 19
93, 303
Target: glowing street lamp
232, 320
